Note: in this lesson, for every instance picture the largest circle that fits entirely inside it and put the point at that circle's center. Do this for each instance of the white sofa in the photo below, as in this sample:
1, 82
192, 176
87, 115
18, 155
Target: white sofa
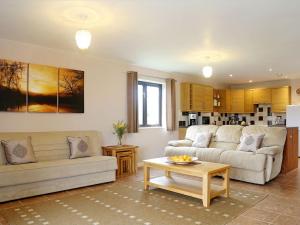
54, 171
259, 167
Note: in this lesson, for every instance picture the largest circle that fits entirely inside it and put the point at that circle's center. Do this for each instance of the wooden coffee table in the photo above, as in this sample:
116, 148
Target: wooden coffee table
191, 187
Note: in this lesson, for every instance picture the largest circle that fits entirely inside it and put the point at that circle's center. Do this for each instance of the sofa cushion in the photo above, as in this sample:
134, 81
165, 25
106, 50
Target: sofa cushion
40, 171
250, 142
244, 160
274, 136
79, 147
170, 151
229, 134
193, 130
18, 151
202, 140
209, 154
223, 145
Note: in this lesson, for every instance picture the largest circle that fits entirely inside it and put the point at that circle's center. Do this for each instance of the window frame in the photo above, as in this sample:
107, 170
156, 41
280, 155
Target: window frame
145, 84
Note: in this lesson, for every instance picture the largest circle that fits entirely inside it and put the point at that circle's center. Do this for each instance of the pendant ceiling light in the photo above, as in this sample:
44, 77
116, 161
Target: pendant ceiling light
207, 71
83, 39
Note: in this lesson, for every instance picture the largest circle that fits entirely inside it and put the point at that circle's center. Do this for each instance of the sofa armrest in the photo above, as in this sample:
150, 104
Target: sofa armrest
180, 143
272, 150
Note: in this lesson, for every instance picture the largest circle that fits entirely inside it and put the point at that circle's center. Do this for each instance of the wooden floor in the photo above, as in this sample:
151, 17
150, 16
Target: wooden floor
281, 207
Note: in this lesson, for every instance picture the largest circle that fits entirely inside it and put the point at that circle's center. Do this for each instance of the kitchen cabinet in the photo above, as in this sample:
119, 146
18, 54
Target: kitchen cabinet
237, 97
281, 97
196, 98
262, 96
185, 97
228, 101
207, 99
290, 152
249, 106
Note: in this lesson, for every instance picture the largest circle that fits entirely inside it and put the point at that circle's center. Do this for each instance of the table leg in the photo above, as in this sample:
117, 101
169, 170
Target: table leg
226, 182
146, 177
206, 190
167, 173
134, 160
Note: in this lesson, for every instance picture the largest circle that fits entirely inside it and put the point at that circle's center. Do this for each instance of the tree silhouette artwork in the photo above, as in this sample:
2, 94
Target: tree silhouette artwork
71, 91
13, 86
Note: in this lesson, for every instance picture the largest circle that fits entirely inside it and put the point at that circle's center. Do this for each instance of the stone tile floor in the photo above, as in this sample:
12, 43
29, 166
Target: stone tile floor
280, 207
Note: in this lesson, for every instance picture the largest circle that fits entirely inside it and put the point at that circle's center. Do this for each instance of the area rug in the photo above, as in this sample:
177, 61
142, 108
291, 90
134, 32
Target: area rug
126, 203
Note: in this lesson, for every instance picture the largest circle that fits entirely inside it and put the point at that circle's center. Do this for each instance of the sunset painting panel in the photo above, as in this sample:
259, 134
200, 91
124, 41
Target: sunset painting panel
13, 86
42, 88
71, 91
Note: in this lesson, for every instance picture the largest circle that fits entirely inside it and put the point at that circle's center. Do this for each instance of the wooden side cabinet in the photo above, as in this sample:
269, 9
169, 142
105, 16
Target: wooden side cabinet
126, 157
290, 152
181, 133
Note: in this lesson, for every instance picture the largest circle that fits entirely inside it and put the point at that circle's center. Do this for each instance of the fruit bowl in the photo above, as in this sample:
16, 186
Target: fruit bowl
181, 159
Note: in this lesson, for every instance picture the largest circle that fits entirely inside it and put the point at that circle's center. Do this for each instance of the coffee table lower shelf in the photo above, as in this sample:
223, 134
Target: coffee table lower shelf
184, 186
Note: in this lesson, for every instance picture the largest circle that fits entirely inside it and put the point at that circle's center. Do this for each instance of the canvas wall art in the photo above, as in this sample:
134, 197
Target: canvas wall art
13, 86
42, 88
71, 91
38, 88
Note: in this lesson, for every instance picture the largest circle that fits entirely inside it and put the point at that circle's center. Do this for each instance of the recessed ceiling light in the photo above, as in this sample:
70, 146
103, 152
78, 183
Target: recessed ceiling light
230, 75
270, 69
250, 81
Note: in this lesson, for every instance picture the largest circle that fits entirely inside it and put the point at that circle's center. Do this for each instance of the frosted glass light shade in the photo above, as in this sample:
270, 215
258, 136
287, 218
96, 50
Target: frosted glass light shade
83, 39
207, 71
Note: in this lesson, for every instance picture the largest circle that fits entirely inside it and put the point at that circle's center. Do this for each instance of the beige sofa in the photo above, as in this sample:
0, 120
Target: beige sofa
54, 171
259, 167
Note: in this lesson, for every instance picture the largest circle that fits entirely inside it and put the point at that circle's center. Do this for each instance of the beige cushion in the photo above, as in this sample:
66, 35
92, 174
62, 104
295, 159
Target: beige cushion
79, 147
274, 136
244, 160
41, 171
229, 134
202, 140
209, 154
177, 143
223, 145
193, 130
18, 151
250, 142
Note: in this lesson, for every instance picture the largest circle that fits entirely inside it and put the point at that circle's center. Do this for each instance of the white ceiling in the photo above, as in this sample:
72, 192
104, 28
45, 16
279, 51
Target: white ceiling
242, 37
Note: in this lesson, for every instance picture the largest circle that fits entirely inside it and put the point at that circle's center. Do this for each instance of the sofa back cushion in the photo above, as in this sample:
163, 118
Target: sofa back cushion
274, 136
223, 145
53, 145
229, 134
193, 130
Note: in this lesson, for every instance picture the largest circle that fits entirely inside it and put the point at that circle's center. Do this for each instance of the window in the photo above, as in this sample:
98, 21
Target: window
150, 104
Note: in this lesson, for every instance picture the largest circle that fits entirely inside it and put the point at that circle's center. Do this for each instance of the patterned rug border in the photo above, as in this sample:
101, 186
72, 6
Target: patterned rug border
96, 188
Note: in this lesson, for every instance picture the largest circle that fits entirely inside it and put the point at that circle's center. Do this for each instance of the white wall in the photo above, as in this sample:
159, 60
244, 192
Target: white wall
105, 97
295, 84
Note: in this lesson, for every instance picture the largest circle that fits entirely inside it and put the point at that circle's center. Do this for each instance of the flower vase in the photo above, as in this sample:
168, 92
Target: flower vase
120, 141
